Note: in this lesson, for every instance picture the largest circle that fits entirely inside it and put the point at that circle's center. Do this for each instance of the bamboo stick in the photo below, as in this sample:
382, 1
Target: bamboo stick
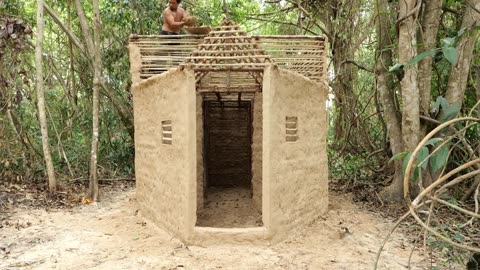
229, 57
251, 89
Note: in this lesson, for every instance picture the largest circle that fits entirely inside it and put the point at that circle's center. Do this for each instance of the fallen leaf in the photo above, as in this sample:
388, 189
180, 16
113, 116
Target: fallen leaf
87, 200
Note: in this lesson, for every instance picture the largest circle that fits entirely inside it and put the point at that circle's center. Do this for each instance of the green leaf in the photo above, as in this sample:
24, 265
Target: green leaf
440, 102
421, 56
450, 112
443, 102
405, 162
449, 41
453, 201
433, 141
459, 237
398, 156
396, 67
439, 159
450, 54
422, 157
436, 106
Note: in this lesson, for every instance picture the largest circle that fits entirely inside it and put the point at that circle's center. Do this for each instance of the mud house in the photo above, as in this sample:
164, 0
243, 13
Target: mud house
230, 133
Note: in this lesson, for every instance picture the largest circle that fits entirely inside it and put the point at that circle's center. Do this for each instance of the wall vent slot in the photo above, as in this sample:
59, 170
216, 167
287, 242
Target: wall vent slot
167, 132
291, 128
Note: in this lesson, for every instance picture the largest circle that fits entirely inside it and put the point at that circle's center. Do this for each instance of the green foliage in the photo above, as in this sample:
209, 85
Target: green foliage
451, 54
347, 166
435, 158
448, 51
448, 112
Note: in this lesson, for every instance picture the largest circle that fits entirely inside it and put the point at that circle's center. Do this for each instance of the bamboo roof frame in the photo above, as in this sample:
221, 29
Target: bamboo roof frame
228, 60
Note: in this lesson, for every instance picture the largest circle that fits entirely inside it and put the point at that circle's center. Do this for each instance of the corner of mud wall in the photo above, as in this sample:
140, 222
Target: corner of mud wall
295, 173
257, 152
135, 63
166, 173
200, 166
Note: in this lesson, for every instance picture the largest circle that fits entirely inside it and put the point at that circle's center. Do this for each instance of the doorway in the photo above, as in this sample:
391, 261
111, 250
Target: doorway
227, 148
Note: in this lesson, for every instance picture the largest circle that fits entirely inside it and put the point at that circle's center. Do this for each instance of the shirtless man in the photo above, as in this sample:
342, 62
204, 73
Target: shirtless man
173, 18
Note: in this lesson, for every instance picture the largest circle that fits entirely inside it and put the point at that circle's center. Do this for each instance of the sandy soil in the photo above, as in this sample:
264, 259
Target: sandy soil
113, 235
229, 208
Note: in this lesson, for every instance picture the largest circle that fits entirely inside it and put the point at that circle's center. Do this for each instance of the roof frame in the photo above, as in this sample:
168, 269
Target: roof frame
225, 50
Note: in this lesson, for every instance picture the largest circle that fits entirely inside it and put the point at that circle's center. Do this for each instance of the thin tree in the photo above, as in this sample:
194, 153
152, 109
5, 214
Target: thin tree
457, 81
52, 182
95, 109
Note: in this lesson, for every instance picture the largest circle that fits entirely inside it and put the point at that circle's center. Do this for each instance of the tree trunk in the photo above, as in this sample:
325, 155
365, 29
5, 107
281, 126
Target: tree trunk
386, 89
84, 26
345, 99
431, 17
457, 81
407, 49
52, 182
339, 17
430, 21
72, 70
95, 108
477, 88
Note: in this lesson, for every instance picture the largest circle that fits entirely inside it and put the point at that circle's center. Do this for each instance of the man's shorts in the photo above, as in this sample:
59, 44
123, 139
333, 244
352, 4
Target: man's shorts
168, 33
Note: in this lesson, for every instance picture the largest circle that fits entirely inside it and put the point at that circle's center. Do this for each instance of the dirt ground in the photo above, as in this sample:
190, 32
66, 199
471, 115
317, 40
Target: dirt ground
229, 208
113, 235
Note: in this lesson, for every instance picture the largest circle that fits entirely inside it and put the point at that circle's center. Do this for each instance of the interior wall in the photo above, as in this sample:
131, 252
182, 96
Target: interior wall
295, 169
228, 143
257, 151
165, 150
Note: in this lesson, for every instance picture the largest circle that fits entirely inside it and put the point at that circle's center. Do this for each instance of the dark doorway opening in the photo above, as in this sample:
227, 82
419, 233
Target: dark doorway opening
228, 166
228, 140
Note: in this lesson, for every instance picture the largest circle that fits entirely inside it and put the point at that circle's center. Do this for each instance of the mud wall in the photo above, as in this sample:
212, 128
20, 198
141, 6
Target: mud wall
200, 168
257, 151
165, 150
135, 63
295, 171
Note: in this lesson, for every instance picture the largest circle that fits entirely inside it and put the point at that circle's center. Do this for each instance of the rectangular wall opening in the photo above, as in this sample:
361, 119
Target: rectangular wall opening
227, 166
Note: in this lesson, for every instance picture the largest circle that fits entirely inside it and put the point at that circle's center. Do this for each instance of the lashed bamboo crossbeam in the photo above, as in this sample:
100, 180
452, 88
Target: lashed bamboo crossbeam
230, 52
229, 57
224, 85
235, 79
154, 42
299, 60
205, 45
223, 82
220, 27
288, 37
218, 32
283, 46
149, 37
233, 65
162, 57
245, 89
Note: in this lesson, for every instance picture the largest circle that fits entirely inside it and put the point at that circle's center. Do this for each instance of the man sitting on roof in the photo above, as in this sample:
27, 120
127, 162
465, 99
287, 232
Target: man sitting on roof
173, 18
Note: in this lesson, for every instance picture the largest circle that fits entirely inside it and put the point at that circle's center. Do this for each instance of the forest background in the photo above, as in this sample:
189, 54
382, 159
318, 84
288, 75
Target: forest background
397, 70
